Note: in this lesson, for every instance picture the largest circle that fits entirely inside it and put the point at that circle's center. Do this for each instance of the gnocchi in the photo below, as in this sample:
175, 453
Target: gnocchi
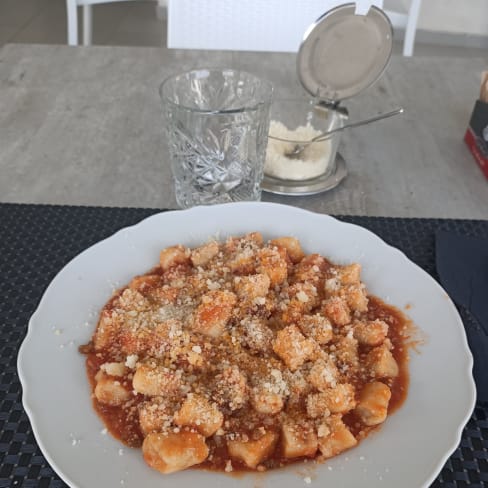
245, 354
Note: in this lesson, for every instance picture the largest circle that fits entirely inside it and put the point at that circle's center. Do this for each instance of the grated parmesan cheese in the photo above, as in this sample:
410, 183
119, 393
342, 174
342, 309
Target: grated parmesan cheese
315, 158
302, 296
131, 361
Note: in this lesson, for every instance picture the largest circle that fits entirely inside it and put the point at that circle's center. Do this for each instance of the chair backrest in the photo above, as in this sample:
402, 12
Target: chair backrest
407, 21
246, 25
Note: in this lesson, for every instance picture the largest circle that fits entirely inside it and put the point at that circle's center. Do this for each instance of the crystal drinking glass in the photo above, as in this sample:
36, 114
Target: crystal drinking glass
216, 122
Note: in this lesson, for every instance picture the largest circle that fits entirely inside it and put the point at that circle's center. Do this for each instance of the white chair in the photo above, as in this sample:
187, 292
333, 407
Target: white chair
72, 13
262, 25
408, 21
246, 25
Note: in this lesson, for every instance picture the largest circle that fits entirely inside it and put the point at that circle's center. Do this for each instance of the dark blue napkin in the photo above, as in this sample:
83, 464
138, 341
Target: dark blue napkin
462, 265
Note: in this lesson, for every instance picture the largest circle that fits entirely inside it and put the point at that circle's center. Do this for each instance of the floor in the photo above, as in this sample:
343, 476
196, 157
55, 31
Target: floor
44, 21
132, 23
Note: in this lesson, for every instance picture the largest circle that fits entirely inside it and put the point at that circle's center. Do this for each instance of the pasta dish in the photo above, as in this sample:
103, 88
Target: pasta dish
246, 355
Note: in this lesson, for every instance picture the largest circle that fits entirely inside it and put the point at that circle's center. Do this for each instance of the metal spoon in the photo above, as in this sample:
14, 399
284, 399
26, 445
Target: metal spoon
299, 148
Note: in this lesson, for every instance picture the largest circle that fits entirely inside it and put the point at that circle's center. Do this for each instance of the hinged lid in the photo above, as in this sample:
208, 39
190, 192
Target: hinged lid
343, 53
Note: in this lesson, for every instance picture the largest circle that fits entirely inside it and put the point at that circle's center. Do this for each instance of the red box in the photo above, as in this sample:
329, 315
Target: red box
476, 136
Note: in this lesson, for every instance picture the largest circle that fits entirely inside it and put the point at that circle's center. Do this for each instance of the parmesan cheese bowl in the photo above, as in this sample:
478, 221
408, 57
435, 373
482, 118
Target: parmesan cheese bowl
295, 122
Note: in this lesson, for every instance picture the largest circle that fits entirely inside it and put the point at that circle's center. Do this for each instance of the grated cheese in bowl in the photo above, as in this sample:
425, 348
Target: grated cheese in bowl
314, 160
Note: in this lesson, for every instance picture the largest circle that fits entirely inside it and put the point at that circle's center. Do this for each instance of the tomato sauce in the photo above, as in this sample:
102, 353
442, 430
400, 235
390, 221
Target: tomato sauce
124, 425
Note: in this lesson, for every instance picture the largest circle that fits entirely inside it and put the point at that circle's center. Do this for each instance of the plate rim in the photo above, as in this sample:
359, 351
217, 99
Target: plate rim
456, 435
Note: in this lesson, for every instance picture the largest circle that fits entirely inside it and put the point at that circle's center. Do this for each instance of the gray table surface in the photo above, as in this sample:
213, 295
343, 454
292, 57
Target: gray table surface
83, 126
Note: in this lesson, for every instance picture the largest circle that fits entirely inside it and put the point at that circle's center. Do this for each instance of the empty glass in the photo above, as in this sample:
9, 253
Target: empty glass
217, 122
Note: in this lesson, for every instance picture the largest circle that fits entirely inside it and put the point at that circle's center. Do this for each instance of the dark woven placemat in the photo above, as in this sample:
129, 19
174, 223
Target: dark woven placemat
37, 241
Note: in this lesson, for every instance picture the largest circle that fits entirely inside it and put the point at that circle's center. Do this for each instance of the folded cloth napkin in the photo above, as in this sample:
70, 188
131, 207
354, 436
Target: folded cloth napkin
462, 265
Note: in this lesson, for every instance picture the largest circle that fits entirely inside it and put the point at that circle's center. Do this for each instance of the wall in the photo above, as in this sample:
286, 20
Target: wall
451, 16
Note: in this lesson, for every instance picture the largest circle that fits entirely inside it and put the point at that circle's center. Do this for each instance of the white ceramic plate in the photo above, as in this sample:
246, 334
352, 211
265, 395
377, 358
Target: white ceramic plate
408, 451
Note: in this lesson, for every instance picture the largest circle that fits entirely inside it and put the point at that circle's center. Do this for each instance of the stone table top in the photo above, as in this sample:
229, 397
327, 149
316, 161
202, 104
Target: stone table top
83, 126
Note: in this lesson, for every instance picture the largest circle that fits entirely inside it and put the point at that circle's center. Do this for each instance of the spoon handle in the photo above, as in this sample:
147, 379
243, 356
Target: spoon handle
369, 120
